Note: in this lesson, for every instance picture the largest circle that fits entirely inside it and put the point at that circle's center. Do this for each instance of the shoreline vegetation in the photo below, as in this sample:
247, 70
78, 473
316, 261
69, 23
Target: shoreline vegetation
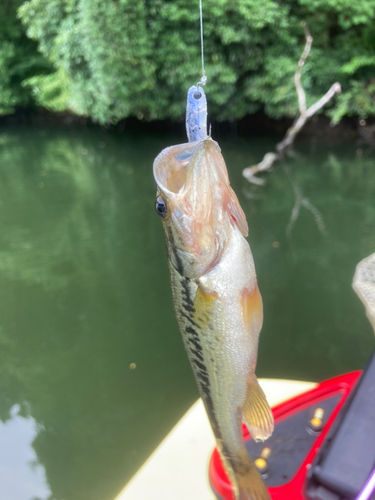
114, 59
319, 128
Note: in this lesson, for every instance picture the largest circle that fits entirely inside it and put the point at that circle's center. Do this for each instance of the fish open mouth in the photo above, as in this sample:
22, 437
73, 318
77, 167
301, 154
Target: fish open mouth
194, 178
171, 166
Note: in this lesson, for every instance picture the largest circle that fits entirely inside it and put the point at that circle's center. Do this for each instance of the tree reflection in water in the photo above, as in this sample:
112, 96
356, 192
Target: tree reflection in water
79, 245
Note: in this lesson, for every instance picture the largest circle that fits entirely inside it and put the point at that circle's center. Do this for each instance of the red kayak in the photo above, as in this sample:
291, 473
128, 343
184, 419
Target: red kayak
323, 445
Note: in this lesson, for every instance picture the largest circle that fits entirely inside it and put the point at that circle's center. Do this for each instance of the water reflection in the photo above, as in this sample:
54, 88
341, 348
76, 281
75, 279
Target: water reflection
302, 201
89, 347
48, 191
311, 313
22, 476
78, 250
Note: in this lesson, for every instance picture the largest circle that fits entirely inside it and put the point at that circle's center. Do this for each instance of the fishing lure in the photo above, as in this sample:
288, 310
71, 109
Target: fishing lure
196, 114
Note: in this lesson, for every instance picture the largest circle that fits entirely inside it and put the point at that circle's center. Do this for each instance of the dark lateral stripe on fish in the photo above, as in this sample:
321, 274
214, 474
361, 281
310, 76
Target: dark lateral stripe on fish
197, 354
193, 337
193, 332
179, 265
203, 378
206, 393
185, 290
186, 297
188, 307
194, 341
189, 319
200, 365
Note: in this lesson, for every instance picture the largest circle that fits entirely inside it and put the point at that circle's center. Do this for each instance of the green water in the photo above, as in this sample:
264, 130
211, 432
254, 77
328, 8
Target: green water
84, 296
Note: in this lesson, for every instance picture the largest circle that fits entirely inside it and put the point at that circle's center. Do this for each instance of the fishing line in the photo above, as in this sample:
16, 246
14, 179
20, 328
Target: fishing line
204, 78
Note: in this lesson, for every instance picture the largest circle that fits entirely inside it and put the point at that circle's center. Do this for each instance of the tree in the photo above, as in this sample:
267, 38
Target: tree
19, 59
119, 58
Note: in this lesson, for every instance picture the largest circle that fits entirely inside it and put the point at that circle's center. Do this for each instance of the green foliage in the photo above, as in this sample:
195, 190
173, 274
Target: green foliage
7, 98
119, 58
19, 59
50, 91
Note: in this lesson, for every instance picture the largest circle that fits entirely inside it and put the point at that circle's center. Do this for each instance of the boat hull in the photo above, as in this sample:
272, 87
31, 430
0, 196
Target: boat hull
287, 456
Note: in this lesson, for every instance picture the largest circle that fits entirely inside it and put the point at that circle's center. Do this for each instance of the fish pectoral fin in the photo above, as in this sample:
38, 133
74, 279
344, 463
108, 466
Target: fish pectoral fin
256, 412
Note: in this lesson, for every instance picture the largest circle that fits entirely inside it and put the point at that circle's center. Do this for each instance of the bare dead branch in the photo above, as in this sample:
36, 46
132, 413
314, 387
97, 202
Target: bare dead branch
335, 89
301, 63
284, 146
290, 135
302, 119
266, 164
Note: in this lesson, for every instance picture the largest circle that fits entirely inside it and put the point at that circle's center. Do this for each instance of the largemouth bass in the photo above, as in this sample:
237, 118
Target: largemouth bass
215, 294
216, 299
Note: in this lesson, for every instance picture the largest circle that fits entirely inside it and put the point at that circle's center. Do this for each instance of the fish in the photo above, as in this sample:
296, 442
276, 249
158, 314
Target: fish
216, 299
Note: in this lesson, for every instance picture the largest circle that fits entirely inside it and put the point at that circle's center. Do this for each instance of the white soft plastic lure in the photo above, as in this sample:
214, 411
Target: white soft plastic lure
215, 295
196, 114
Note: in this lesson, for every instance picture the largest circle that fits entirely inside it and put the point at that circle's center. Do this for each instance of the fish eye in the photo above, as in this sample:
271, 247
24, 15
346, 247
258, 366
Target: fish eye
161, 207
197, 95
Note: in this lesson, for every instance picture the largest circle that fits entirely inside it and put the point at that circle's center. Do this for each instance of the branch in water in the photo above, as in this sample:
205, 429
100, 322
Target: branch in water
283, 147
265, 164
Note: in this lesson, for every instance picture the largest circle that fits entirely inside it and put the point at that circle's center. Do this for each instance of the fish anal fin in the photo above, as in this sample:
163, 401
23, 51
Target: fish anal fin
256, 412
252, 307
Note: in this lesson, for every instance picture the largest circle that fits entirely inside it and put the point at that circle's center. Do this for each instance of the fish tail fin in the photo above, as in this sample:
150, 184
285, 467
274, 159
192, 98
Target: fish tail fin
256, 412
251, 485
